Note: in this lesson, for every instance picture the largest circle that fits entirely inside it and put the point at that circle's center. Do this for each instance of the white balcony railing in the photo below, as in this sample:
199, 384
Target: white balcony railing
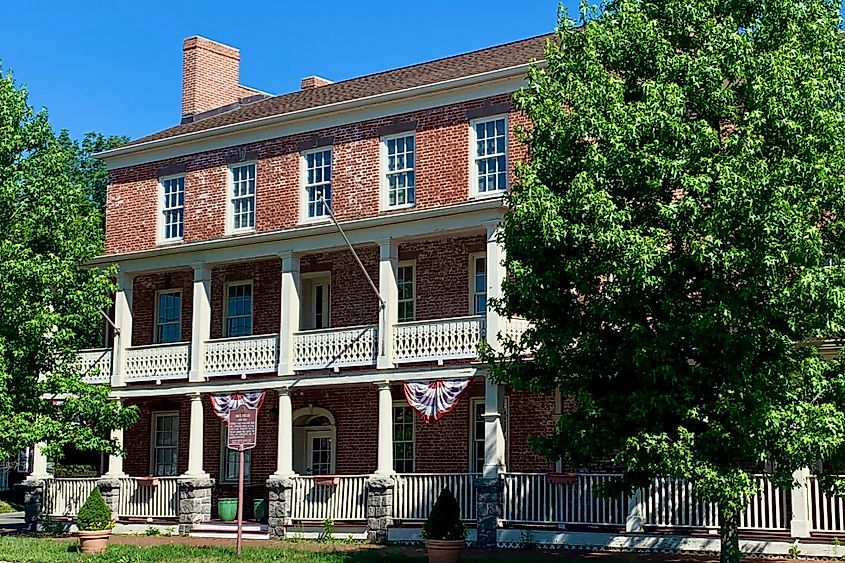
148, 500
95, 365
64, 497
444, 339
416, 493
235, 356
158, 361
339, 498
335, 348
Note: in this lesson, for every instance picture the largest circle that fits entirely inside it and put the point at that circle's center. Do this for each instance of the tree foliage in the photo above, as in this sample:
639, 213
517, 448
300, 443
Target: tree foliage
677, 229
49, 227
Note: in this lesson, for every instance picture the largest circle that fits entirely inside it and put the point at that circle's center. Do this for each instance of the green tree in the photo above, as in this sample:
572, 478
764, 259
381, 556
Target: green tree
49, 227
87, 170
677, 229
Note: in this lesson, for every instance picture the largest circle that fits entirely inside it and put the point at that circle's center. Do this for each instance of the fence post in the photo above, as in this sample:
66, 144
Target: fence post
634, 519
194, 502
33, 501
110, 491
278, 513
489, 509
379, 507
799, 526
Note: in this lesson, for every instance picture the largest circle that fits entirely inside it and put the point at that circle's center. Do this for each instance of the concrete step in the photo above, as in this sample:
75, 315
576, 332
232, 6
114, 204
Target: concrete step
251, 530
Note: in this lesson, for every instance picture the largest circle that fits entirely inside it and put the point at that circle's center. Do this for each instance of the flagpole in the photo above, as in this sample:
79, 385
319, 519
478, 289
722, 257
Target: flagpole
240, 499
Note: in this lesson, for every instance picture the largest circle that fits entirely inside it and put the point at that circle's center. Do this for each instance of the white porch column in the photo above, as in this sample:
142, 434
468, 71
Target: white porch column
385, 429
291, 286
284, 454
201, 321
39, 463
494, 397
123, 322
389, 313
799, 526
116, 461
196, 439
495, 276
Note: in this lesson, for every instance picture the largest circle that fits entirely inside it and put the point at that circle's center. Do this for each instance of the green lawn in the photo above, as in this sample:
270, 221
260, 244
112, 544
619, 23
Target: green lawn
6, 507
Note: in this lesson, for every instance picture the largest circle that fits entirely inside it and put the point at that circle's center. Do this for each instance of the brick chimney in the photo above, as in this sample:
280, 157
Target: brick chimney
313, 82
209, 76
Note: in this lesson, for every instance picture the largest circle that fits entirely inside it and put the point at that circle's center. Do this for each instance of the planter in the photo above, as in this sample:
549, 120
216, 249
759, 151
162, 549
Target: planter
93, 541
259, 509
327, 481
569, 478
227, 509
147, 481
444, 551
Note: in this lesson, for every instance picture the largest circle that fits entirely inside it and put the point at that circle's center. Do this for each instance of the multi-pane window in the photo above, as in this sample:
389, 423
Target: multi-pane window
478, 285
231, 460
173, 208
164, 440
477, 433
318, 183
243, 197
400, 170
238, 309
490, 155
168, 317
403, 439
407, 292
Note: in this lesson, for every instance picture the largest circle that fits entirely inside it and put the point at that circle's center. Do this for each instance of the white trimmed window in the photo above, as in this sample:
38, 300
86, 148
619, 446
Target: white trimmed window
168, 316
406, 285
242, 182
490, 156
403, 438
238, 321
478, 284
476, 432
164, 440
400, 174
172, 208
317, 180
230, 459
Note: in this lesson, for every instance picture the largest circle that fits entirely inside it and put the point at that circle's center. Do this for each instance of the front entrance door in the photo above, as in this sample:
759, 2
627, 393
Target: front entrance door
319, 452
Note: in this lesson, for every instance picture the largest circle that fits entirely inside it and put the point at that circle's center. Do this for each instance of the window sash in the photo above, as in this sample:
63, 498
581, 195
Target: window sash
231, 459
318, 183
491, 155
173, 207
165, 445
243, 197
403, 439
405, 284
169, 317
479, 285
401, 174
239, 310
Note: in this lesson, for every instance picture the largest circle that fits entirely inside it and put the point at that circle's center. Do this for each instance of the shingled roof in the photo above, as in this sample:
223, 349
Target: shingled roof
450, 68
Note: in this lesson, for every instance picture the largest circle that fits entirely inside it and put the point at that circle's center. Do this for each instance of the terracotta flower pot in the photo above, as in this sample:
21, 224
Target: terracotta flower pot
444, 551
93, 541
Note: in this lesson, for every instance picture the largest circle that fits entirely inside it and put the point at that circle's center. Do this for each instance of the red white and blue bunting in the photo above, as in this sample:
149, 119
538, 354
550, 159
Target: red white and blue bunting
224, 403
433, 399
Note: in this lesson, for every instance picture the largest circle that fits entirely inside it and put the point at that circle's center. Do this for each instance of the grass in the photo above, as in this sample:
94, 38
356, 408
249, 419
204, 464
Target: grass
6, 507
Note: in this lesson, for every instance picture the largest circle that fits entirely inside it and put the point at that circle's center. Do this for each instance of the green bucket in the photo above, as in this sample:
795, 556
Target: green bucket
227, 509
259, 509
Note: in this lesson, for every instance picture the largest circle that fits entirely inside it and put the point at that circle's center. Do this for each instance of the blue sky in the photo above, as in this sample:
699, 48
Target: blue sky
115, 67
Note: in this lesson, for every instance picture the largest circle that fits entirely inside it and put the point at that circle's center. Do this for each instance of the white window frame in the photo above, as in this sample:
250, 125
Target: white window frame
155, 416
226, 316
473, 158
225, 452
385, 173
304, 185
413, 300
413, 442
157, 324
473, 258
473, 438
162, 237
230, 198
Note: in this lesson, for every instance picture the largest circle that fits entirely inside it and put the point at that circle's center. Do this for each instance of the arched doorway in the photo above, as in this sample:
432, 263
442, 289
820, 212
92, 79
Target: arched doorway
314, 441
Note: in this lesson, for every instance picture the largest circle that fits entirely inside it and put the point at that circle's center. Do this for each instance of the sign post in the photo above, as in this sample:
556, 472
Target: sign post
243, 430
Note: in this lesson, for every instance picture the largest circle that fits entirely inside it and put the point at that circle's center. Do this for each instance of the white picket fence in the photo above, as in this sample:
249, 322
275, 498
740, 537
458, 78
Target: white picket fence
146, 500
158, 361
444, 339
251, 354
312, 498
335, 347
64, 497
827, 512
416, 493
532, 499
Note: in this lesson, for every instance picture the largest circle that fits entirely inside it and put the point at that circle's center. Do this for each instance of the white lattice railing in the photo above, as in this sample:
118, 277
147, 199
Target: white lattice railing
64, 497
335, 347
669, 502
532, 498
95, 365
316, 498
444, 339
415, 493
235, 356
148, 500
159, 361
513, 328
827, 512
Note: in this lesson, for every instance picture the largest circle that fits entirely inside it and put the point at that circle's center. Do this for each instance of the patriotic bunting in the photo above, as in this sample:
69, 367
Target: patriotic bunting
224, 403
433, 399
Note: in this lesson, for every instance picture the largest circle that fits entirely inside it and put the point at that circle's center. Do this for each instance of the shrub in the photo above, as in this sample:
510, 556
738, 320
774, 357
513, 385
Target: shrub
94, 514
444, 522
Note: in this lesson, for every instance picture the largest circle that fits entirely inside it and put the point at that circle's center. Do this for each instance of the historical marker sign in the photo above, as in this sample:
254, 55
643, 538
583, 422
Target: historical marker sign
243, 428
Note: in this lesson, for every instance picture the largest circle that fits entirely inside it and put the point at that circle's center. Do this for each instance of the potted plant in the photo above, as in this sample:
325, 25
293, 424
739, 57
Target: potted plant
227, 508
444, 531
95, 523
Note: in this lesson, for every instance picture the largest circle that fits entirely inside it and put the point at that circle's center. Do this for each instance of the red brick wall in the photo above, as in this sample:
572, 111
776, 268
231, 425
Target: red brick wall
144, 303
266, 279
442, 175
137, 437
529, 414
353, 301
